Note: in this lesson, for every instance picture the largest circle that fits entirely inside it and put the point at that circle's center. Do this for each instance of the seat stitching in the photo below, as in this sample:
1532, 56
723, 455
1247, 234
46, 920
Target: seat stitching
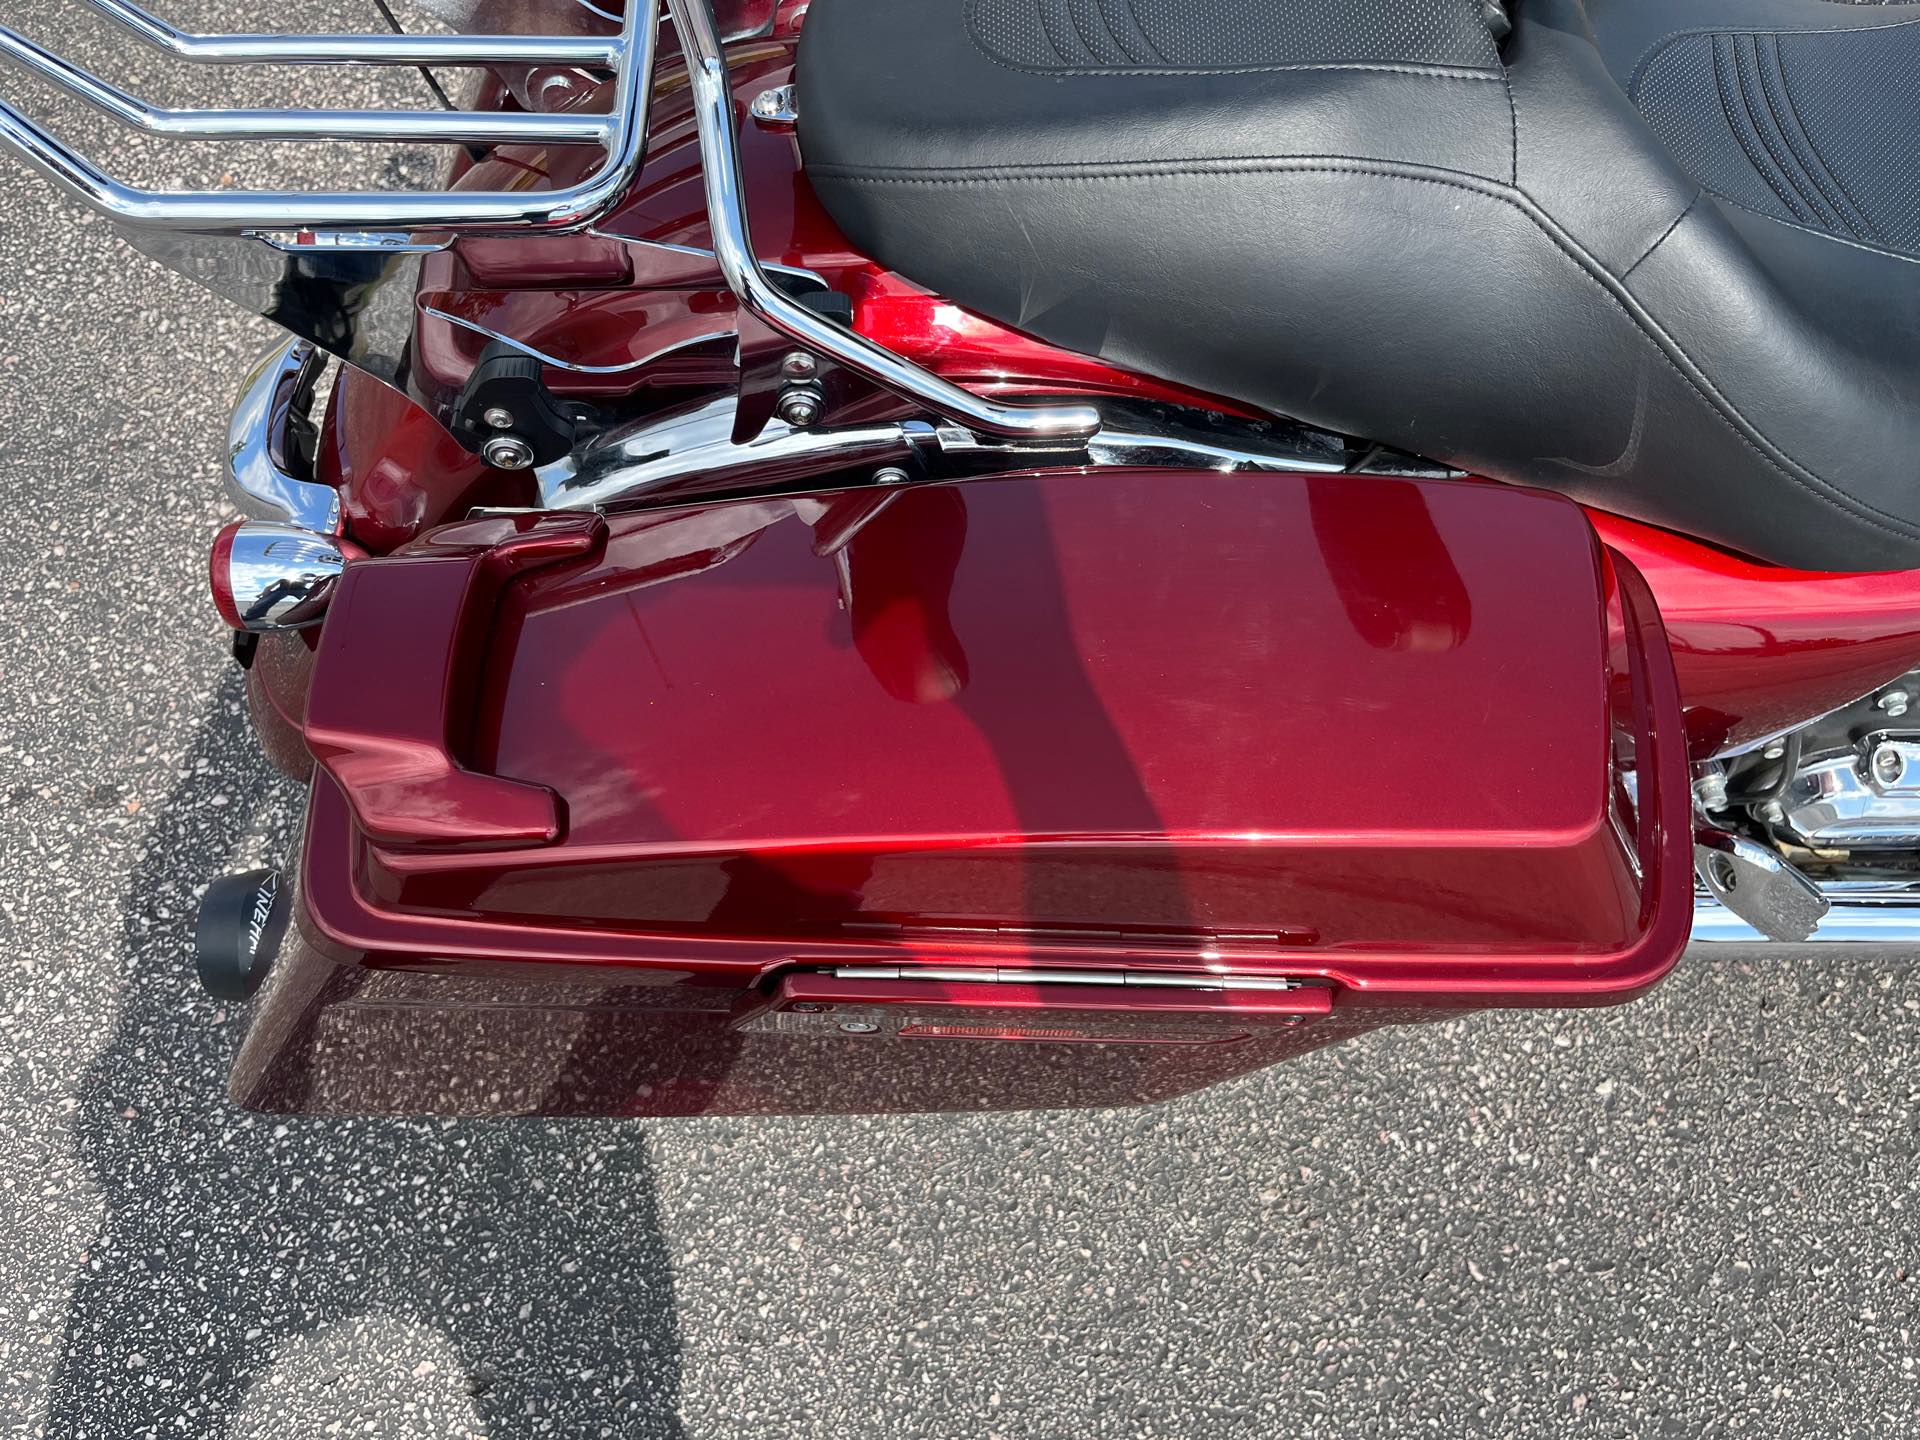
1664, 234
1138, 31
1813, 167
1829, 235
1729, 414
1870, 228
1760, 166
1513, 120
1119, 72
1741, 72
1647, 56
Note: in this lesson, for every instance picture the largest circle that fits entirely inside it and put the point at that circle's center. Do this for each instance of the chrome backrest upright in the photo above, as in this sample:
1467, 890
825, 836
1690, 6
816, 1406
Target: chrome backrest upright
733, 245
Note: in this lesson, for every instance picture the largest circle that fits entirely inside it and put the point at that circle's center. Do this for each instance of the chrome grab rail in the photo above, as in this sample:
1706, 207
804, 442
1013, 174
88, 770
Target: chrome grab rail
620, 131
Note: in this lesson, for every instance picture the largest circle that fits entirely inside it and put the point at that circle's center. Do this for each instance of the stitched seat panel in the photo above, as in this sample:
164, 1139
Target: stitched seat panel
1358, 214
1099, 36
1816, 128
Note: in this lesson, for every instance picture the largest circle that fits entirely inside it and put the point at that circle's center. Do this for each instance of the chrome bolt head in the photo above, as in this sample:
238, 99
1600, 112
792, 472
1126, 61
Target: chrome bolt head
890, 475
1710, 791
776, 106
507, 452
859, 1027
498, 418
1888, 763
1895, 702
799, 407
799, 365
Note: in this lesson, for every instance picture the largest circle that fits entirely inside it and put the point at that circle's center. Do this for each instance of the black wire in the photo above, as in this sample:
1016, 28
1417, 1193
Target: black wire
393, 22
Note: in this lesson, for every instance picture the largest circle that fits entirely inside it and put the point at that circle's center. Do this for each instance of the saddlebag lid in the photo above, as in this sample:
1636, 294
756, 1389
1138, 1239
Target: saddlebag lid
1418, 738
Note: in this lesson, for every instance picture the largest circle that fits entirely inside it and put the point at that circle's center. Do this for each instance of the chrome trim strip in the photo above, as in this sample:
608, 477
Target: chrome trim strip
733, 245
259, 450
648, 461
1003, 975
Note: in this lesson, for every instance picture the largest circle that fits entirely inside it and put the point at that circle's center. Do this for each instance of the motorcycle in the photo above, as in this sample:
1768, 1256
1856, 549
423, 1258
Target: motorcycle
906, 555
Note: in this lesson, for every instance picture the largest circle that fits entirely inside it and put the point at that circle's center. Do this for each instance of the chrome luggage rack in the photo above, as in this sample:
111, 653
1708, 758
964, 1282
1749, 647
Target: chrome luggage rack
627, 53
340, 268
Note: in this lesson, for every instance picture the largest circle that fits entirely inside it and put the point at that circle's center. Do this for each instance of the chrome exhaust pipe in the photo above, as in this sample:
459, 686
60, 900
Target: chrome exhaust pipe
1859, 912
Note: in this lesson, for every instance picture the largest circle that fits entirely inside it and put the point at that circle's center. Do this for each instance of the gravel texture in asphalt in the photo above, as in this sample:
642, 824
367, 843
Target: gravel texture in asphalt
1691, 1216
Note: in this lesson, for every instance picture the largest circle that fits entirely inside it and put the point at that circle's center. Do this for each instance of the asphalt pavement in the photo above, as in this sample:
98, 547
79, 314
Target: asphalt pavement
1691, 1216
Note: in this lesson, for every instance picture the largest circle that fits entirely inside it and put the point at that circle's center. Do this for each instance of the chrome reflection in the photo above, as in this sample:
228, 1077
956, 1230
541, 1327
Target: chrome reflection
269, 442
1859, 912
693, 452
635, 464
270, 576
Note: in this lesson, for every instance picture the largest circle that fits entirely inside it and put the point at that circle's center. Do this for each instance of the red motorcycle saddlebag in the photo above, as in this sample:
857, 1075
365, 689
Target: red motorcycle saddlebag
1056, 789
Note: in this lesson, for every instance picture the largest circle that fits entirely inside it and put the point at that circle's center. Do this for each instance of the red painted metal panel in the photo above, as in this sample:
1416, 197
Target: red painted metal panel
1362, 732
1760, 648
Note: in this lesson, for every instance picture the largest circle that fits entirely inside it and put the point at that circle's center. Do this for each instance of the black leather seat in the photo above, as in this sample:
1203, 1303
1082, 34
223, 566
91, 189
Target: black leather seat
1663, 255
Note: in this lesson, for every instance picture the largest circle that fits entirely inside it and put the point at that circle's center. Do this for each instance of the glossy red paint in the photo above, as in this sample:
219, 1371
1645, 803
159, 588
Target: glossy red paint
1156, 720
1760, 648
328, 1039
637, 317
390, 702
397, 469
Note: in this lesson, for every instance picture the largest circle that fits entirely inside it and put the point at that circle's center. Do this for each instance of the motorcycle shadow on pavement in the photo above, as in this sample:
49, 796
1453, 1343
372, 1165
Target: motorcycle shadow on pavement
245, 1261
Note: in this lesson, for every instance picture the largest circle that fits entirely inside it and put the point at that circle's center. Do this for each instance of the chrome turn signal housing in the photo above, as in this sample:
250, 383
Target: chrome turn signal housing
268, 576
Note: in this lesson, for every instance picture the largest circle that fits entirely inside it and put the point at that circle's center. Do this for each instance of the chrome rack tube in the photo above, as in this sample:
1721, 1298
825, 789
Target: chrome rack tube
621, 131
480, 128
603, 52
733, 244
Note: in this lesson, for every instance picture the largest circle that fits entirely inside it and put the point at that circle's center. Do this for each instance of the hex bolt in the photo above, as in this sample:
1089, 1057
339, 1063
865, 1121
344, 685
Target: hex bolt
498, 418
798, 365
1775, 750
891, 475
1895, 703
859, 1027
507, 452
799, 406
